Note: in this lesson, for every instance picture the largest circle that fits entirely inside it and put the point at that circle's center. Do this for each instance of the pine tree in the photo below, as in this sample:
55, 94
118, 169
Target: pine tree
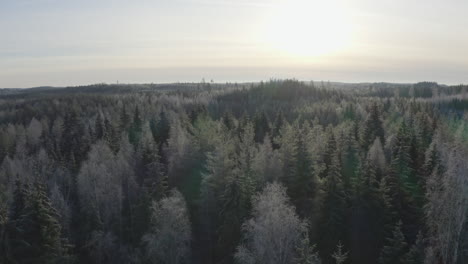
37, 231
99, 129
276, 129
136, 128
3, 230
333, 210
432, 163
339, 256
261, 126
395, 247
72, 144
220, 178
306, 253
372, 128
124, 122
304, 184
402, 159
331, 148
415, 255
366, 219
111, 135
228, 120
161, 130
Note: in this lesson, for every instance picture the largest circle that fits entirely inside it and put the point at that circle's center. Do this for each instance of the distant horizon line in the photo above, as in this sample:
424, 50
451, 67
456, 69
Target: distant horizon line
229, 82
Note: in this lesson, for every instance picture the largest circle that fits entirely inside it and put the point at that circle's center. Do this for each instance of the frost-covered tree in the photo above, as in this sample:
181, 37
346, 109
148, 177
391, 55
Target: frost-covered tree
99, 185
266, 164
447, 206
274, 232
169, 238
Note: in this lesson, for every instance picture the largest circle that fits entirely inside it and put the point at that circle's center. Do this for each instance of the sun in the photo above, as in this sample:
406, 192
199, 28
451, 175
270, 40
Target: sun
309, 28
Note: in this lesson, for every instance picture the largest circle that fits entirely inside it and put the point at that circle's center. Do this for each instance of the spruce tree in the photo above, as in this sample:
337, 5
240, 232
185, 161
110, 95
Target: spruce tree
306, 253
395, 247
136, 128
333, 210
415, 255
261, 126
37, 232
124, 121
99, 129
372, 128
111, 135
339, 256
162, 128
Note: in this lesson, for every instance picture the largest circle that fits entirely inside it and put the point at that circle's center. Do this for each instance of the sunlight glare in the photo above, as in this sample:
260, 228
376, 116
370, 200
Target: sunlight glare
309, 28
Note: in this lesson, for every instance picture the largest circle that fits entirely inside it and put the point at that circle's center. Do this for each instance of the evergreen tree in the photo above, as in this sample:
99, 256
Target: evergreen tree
306, 253
124, 121
162, 129
367, 215
372, 127
136, 128
332, 224
415, 255
37, 236
220, 177
72, 144
228, 120
395, 247
3, 231
276, 129
99, 129
329, 152
303, 184
111, 135
339, 256
261, 126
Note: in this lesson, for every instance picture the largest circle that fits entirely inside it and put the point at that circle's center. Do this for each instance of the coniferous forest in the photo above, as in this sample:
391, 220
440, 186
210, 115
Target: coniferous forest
275, 172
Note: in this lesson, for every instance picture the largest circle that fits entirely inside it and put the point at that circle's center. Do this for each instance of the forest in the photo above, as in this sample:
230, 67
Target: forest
275, 172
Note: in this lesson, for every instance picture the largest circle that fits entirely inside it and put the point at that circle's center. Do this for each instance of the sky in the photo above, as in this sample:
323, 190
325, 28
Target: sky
69, 42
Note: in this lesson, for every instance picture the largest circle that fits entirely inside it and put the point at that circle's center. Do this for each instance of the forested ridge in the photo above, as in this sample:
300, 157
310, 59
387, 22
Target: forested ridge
274, 172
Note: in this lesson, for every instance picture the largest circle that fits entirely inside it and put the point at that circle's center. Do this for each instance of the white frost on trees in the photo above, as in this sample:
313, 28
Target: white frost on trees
376, 154
274, 232
170, 233
99, 185
447, 206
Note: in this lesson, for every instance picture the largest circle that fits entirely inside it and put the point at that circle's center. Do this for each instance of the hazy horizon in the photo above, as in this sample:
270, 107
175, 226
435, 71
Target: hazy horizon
68, 43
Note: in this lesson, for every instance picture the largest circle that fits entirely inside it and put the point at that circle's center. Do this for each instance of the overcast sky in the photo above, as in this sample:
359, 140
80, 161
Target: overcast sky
70, 42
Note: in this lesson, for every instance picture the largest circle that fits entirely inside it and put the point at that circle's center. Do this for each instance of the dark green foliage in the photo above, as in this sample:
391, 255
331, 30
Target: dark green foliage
372, 128
35, 233
161, 129
261, 126
99, 129
332, 223
395, 247
111, 135
278, 124
73, 143
136, 128
416, 253
124, 121
367, 216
